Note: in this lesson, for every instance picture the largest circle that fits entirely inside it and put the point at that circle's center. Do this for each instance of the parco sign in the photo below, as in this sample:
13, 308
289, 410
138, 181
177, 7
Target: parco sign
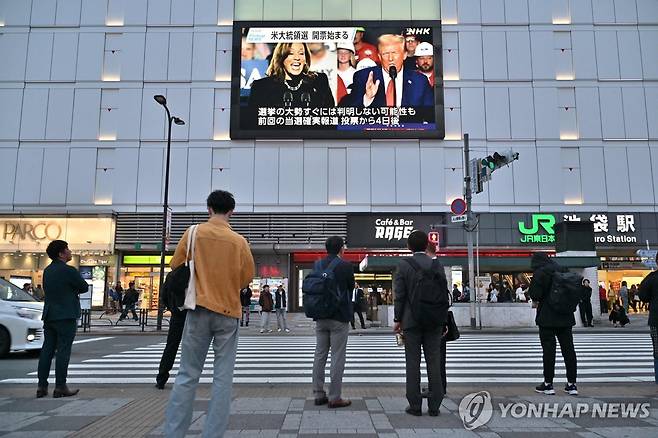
35, 231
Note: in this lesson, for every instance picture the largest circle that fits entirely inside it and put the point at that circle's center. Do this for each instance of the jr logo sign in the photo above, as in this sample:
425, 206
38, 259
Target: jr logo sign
532, 234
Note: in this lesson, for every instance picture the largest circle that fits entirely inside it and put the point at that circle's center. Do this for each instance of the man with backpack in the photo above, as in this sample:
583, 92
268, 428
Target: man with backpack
421, 311
558, 293
648, 293
327, 300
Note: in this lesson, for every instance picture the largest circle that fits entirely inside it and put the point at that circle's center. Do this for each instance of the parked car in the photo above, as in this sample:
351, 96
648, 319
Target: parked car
21, 327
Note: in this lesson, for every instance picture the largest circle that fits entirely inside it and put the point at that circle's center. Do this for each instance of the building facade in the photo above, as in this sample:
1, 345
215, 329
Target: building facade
572, 85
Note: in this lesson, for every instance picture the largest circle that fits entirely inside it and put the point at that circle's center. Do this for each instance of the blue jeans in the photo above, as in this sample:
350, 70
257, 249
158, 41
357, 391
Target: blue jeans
201, 327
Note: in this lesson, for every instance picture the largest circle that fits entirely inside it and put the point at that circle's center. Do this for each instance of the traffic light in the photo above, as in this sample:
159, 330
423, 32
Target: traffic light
496, 161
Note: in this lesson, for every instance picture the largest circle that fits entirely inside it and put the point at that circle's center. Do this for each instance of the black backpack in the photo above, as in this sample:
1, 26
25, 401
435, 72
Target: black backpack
173, 289
428, 298
567, 291
320, 291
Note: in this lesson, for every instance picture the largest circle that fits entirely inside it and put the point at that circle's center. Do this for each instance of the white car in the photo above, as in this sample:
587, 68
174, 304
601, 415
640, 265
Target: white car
21, 327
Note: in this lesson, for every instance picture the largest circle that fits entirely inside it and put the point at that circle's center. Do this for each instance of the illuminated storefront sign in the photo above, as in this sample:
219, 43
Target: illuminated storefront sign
609, 228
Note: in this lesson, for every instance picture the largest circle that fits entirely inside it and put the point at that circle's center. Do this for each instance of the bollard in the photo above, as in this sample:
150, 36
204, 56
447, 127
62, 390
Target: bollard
85, 319
143, 318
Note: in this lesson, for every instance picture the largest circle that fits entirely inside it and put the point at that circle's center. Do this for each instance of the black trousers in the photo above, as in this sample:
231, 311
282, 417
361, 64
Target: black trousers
585, 308
128, 308
57, 341
357, 310
430, 341
174, 336
444, 378
604, 306
564, 336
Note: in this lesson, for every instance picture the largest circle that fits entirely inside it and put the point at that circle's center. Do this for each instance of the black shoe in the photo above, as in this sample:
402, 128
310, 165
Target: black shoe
246, 325
321, 401
42, 391
160, 385
340, 403
545, 389
241, 324
433, 413
571, 389
415, 412
64, 391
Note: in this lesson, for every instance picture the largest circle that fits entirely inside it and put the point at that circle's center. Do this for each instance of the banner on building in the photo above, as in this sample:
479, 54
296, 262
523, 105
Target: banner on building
337, 80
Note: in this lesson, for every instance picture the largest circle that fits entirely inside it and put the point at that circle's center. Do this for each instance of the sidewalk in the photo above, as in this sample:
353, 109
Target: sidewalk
299, 324
288, 411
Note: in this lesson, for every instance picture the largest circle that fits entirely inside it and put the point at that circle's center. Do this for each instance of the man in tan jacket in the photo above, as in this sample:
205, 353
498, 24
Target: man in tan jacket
223, 265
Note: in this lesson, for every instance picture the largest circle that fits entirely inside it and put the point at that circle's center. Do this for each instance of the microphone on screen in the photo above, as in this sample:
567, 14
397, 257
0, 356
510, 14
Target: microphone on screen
287, 99
392, 72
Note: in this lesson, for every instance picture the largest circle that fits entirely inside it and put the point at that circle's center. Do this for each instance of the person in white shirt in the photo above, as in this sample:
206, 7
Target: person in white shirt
520, 293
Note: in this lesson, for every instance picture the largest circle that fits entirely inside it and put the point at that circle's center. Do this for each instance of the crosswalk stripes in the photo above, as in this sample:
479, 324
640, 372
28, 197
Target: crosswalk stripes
474, 358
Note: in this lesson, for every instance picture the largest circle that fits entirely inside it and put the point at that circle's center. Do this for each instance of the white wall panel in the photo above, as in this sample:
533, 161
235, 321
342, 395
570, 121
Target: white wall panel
315, 183
104, 184
516, 11
242, 175
473, 115
221, 169
630, 56
453, 174
652, 111
450, 56
541, 11
157, 52
182, 12
494, 49
526, 180
358, 175
203, 56
68, 13
60, 114
635, 112
543, 66
581, 11
225, 12
649, 44
493, 12
382, 171
179, 98
588, 112
501, 186
550, 188
90, 56
604, 11
159, 12
43, 13
468, 11
291, 174
640, 174
28, 176
449, 12
612, 116
497, 110
453, 122
282, 10
150, 175
616, 174
337, 171
647, 11
130, 110
407, 174
35, 107
86, 107
54, 176
132, 56
391, 9
136, 13
607, 54
65, 56
13, 13
518, 55
625, 12
153, 115
8, 157
178, 176
13, 52
584, 54
521, 113
425, 9
39, 56
11, 101
125, 176
180, 65
432, 182
93, 12
82, 170
592, 174
205, 12
201, 114
470, 55
546, 119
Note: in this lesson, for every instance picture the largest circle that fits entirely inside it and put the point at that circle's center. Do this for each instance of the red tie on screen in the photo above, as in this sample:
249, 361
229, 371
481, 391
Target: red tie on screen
390, 90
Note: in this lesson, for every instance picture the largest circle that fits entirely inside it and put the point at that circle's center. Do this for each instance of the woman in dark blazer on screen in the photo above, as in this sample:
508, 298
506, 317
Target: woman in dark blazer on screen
289, 82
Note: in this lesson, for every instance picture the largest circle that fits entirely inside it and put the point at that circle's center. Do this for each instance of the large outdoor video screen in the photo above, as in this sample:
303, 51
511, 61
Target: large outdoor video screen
337, 80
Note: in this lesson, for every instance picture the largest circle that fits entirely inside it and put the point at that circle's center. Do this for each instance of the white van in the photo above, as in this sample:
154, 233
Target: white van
21, 327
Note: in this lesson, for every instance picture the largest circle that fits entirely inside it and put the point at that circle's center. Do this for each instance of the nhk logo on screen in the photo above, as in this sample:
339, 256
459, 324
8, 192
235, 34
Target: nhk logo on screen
390, 229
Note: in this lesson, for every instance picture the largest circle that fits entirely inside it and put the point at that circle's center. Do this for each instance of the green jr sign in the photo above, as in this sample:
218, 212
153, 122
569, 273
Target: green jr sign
540, 231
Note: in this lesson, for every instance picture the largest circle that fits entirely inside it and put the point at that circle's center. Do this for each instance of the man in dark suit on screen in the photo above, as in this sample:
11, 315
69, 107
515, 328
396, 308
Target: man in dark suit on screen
391, 84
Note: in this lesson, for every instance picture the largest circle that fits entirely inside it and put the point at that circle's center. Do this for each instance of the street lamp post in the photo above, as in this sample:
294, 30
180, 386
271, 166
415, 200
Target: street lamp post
165, 216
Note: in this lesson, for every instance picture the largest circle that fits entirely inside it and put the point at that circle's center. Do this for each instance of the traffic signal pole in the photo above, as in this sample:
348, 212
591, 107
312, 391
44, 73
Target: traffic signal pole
468, 226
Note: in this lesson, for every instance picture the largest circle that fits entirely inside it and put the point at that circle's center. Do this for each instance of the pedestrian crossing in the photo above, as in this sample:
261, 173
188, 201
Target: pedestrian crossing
376, 359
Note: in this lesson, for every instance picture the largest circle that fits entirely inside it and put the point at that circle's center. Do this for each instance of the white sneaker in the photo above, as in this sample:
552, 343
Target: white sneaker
262, 331
269, 331
287, 330
278, 330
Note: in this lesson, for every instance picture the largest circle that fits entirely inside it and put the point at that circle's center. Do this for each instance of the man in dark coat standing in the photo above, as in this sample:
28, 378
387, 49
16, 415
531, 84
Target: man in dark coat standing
648, 293
358, 299
552, 324
62, 285
174, 337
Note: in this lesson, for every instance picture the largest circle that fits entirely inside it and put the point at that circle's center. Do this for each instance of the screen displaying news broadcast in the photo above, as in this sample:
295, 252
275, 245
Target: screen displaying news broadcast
337, 80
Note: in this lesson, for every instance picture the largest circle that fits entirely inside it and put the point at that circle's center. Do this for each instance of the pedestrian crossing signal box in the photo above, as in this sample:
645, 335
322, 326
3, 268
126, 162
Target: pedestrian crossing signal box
574, 236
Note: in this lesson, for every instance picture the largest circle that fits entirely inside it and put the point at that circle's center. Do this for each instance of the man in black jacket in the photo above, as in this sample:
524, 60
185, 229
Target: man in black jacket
280, 308
129, 301
552, 324
62, 286
331, 333
357, 305
649, 294
245, 302
414, 335
174, 336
